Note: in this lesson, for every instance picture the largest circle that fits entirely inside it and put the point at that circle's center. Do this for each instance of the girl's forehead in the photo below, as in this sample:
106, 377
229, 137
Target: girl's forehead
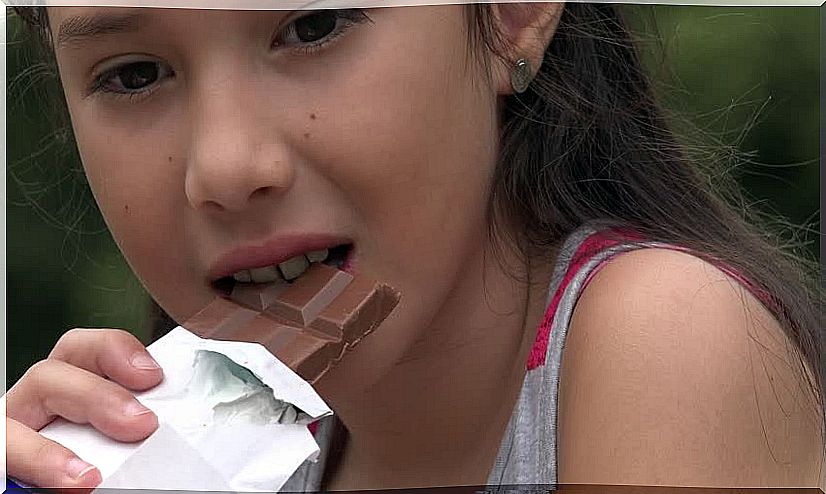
226, 5
78, 25
205, 6
81, 25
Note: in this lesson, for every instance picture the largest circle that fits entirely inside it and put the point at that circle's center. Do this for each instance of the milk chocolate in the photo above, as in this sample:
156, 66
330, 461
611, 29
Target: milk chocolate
258, 297
309, 324
310, 294
220, 317
360, 308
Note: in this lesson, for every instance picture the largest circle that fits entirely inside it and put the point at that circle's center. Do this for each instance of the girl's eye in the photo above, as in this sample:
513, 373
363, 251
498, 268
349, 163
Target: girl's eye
131, 79
315, 30
138, 75
315, 27
306, 34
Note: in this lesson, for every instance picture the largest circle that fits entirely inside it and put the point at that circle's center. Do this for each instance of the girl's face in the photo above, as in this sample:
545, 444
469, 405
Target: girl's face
217, 141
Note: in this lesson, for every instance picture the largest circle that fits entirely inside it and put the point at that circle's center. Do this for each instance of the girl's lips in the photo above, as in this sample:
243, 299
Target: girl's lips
274, 251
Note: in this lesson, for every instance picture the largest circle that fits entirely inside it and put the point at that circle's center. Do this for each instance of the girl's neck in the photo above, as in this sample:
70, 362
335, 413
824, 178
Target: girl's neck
438, 417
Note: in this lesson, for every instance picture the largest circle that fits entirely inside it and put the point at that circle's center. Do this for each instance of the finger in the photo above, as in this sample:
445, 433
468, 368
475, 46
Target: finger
53, 388
113, 353
40, 462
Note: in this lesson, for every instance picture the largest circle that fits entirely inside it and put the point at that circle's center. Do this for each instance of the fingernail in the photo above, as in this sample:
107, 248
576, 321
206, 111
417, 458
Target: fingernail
143, 361
134, 407
77, 468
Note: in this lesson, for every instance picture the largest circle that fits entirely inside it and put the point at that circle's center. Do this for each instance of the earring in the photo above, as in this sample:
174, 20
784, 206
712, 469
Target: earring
521, 75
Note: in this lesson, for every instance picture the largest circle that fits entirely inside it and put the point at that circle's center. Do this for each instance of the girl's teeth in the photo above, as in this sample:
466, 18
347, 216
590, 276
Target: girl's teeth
266, 274
293, 267
290, 269
243, 276
317, 255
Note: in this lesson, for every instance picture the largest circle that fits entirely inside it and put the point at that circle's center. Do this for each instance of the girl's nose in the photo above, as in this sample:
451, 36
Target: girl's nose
234, 160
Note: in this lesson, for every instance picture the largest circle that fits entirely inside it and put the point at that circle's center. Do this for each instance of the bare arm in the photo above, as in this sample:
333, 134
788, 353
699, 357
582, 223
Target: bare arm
674, 375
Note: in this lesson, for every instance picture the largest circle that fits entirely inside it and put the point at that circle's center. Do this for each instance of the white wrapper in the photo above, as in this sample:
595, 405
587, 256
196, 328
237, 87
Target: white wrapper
231, 416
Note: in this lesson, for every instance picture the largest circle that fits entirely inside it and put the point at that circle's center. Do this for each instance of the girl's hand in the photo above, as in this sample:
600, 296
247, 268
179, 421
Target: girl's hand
71, 383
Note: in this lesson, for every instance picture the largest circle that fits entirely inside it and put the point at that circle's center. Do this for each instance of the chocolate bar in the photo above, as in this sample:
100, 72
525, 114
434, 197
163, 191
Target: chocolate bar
308, 324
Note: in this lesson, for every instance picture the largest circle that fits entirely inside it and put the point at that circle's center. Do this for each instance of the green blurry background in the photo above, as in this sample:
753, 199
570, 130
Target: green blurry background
746, 76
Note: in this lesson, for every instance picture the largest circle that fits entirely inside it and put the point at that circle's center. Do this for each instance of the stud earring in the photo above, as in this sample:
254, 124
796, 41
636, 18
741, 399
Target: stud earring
521, 75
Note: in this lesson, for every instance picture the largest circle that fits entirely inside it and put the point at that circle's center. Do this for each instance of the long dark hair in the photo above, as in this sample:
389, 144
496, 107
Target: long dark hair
589, 141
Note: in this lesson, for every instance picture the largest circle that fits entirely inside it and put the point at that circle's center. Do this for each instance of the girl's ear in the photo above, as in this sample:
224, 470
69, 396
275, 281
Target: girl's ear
526, 30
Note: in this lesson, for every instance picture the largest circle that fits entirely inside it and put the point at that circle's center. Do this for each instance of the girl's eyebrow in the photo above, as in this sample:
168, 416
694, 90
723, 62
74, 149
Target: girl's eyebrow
96, 26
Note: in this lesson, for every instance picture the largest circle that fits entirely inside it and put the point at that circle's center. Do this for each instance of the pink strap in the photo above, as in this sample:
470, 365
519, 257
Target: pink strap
594, 244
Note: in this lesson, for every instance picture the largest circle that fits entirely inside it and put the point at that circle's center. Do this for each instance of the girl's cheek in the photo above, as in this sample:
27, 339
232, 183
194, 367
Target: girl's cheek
134, 185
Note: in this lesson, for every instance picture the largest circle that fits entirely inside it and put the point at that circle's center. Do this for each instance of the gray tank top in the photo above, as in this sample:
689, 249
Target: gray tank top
527, 452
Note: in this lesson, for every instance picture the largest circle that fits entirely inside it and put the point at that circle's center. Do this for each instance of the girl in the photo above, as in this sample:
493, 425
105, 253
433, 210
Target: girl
577, 306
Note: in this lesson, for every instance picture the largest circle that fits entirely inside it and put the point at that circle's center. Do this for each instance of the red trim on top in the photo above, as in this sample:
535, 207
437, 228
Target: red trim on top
594, 244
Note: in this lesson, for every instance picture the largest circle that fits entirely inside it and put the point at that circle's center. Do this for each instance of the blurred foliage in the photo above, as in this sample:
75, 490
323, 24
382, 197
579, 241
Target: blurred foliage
744, 76
748, 77
63, 267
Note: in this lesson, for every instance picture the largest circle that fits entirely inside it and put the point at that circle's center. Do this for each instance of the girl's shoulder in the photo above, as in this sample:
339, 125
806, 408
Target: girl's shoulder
675, 373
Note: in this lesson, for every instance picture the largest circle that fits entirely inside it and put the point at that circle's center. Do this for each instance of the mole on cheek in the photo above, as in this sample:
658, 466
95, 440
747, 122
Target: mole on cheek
169, 159
126, 208
312, 117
